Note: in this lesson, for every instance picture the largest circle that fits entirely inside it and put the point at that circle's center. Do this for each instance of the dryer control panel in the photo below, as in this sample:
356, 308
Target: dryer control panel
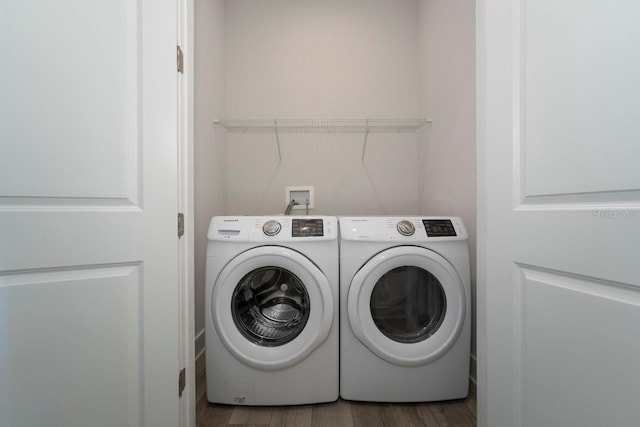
273, 228
402, 229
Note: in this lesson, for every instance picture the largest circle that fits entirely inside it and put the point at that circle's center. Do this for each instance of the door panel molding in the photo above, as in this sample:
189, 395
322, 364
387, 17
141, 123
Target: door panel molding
68, 204
557, 308
75, 322
74, 120
584, 201
563, 118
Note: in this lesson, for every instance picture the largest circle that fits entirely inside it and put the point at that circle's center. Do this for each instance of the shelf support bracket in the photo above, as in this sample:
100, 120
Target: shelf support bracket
366, 136
275, 127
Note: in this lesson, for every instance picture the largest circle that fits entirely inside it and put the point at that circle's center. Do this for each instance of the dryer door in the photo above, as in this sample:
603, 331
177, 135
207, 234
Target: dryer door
271, 307
407, 305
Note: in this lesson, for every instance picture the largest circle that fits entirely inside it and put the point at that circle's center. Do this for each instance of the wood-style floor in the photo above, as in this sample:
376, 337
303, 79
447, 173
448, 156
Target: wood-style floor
342, 413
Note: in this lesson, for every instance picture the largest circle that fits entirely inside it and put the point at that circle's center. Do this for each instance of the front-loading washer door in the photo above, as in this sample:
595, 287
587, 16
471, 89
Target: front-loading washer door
407, 304
271, 306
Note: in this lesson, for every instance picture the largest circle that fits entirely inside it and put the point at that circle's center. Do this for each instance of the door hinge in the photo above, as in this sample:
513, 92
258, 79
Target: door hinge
180, 224
180, 60
182, 381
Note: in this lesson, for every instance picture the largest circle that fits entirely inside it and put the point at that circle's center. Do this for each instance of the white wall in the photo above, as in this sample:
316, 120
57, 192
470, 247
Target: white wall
329, 59
447, 94
209, 153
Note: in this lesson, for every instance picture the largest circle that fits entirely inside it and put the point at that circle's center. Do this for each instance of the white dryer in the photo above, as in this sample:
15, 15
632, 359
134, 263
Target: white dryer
272, 310
405, 309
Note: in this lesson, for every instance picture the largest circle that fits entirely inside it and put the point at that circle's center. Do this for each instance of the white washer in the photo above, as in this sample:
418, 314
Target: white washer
272, 310
405, 309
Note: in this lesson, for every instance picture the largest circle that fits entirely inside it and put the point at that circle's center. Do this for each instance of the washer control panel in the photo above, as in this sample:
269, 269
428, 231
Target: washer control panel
307, 227
439, 228
274, 228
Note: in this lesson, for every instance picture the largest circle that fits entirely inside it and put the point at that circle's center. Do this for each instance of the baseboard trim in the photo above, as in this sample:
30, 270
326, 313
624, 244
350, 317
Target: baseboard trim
199, 344
199, 355
473, 371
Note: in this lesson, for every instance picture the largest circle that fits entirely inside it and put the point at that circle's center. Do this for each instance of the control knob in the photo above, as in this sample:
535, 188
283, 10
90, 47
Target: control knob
405, 228
271, 227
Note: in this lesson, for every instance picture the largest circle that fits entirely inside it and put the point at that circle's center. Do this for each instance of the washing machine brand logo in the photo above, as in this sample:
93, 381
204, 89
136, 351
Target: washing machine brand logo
230, 220
360, 220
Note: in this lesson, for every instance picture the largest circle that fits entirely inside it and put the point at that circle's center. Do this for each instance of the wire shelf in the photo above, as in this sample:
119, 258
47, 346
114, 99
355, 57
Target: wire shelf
321, 125
344, 126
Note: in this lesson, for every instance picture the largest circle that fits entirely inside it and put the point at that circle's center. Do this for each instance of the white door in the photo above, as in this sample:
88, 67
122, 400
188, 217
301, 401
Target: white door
559, 192
88, 190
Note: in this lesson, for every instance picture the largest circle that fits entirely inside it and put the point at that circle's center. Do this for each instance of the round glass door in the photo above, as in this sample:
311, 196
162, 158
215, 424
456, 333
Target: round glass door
270, 306
407, 305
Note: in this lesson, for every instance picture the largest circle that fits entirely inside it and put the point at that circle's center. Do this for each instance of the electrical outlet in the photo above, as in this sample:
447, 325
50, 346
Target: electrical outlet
301, 194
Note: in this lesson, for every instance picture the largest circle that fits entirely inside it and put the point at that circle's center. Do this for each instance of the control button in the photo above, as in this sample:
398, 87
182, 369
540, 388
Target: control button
271, 228
405, 228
